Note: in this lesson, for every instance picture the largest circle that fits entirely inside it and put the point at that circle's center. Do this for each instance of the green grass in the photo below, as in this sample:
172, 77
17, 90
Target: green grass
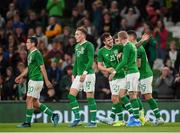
168, 127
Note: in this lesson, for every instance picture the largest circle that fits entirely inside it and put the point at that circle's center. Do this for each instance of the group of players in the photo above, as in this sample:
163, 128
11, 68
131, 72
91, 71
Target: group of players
130, 75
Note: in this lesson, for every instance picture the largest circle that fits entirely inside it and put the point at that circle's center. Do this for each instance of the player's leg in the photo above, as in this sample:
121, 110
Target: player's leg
43, 108
146, 90
29, 105
73, 101
29, 113
141, 108
89, 88
132, 87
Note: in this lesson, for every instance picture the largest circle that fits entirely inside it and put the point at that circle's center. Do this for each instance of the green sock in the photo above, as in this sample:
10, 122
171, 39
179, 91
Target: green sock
29, 113
127, 104
45, 109
74, 105
154, 106
113, 113
135, 106
140, 104
92, 108
119, 111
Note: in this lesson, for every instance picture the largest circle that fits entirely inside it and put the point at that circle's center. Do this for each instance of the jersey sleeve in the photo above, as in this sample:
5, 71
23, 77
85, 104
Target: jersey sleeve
126, 52
90, 52
39, 59
139, 52
100, 56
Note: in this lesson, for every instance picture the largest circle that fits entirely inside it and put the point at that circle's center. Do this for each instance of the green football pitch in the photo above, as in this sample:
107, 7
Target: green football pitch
37, 127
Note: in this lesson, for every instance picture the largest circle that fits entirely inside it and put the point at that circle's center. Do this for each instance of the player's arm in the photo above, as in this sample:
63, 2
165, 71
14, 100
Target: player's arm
90, 50
44, 73
101, 67
126, 52
139, 62
23, 74
145, 37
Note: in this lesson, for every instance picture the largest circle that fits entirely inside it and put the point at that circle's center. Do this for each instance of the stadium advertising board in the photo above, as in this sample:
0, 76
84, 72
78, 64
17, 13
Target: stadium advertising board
15, 112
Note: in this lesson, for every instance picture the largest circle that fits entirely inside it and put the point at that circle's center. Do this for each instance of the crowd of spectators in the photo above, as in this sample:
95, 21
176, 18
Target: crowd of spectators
54, 22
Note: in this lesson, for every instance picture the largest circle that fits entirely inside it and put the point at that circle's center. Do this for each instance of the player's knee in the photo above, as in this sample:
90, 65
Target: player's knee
29, 100
147, 96
115, 99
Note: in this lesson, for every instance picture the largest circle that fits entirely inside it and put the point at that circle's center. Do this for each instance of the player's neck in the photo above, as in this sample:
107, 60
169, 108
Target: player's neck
83, 41
108, 47
125, 42
32, 49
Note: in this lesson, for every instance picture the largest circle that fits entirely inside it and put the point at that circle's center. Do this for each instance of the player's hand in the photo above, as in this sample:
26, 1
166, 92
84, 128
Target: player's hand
111, 76
49, 85
110, 70
19, 79
145, 37
82, 77
72, 78
119, 55
51, 92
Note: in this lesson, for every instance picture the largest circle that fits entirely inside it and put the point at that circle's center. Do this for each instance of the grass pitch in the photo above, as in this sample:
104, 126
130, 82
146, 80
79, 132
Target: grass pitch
37, 127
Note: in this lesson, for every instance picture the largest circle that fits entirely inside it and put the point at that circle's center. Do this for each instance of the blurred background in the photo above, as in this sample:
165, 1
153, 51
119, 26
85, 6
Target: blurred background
54, 22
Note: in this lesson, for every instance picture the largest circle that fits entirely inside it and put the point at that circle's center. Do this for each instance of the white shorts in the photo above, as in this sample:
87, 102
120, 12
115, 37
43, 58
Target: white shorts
34, 88
117, 85
87, 86
132, 81
145, 85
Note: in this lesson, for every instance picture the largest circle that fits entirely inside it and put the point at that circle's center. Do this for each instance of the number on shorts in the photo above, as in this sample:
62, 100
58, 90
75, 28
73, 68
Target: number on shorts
143, 87
88, 85
30, 89
115, 88
128, 85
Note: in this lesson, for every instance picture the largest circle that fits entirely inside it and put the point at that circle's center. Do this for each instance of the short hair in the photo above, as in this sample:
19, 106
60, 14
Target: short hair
115, 36
82, 29
34, 40
123, 34
105, 35
132, 33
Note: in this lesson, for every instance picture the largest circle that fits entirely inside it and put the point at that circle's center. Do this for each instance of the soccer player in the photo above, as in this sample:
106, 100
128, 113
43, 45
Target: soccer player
146, 78
36, 73
84, 77
129, 64
108, 60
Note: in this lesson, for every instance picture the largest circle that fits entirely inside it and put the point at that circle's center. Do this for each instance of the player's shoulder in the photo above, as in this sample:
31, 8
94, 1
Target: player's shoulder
101, 50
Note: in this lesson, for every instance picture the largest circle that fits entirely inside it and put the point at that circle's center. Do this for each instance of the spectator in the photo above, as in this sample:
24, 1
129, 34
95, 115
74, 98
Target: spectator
3, 62
10, 92
55, 8
75, 17
161, 35
40, 35
56, 51
65, 83
174, 56
31, 20
64, 37
21, 88
131, 16
54, 74
12, 11
106, 24
176, 85
71, 45
1, 88
53, 28
2, 21
164, 84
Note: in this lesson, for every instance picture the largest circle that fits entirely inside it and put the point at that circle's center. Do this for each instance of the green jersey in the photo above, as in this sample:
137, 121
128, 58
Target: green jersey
84, 58
145, 69
35, 60
110, 59
129, 59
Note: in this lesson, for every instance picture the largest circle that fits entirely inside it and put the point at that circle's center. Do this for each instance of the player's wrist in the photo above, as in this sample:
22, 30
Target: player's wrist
85, 72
